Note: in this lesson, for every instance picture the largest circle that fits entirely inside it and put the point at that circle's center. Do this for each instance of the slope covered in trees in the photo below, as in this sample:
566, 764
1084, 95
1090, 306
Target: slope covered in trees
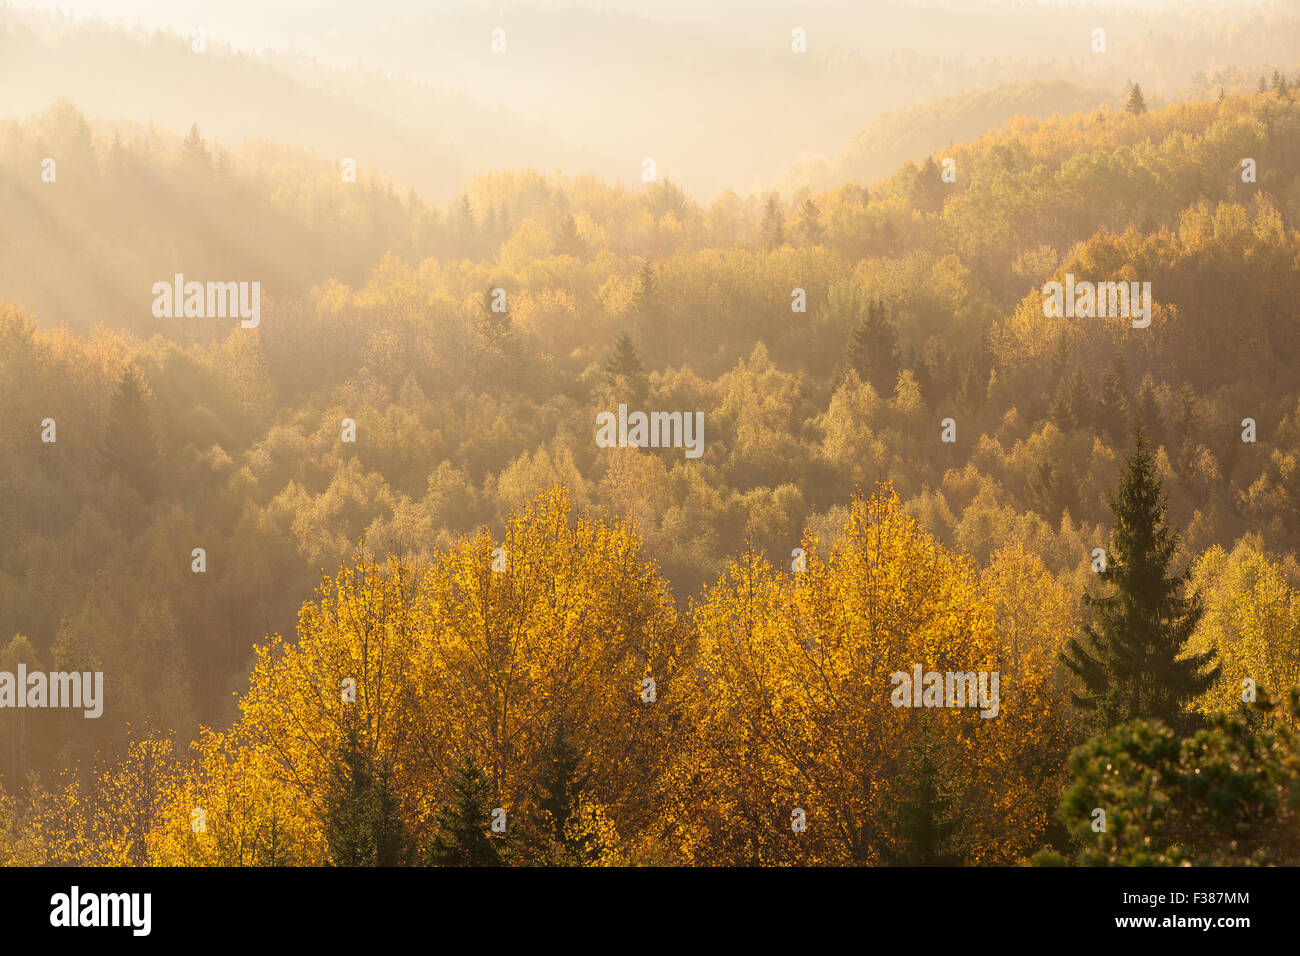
924, 302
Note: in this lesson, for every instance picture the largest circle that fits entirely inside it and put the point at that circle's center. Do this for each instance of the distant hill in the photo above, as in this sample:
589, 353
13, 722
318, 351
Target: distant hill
914, 133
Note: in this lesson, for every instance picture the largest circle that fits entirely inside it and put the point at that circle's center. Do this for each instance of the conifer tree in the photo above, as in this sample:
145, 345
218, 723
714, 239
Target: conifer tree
1147, 414
773, 224
129, 448
1113, 409
559, 788
624, 372
1131, 662
363, 821
925, 824
463, 828
568, 241
646, 298
1137, 104
927, 188
809, 225
873, 349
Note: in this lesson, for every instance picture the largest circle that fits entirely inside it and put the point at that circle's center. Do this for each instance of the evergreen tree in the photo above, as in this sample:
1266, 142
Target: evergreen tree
1147, 414
1129, 662
624, 373
463, 213
463, 829
927, 188
925, 824
558, 791
363, 821
1137, 104
773, 224
568, 242
1113, 410
646, 298
196, 154
873, 348
129, 449
809, 225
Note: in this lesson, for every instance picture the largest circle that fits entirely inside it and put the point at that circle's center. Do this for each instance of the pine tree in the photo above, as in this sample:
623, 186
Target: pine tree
1147, 414
568, 241
809, 225
195, 152
873, 348
773, 224
463, 213
363, 821
647, 295
624, 373
926, 826
1113, 410
559, 788
1129, 662
463, 829
927, 188
129, 449
1137, 104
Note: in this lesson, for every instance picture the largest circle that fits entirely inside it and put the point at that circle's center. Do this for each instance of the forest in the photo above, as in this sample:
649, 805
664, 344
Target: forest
365, 590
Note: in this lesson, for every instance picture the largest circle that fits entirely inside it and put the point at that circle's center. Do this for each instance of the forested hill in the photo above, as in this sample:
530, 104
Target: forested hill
888, 141
924, 303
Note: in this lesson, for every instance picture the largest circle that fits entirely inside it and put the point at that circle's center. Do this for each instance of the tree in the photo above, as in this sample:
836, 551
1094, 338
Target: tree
1136, 104
568, 242
129, 449
466, 227
809, 226
926, 826
773, 228
1147, 413
647, 295
196, 154
363, 821
1112, 407
927, 193
1132, 663
873, 349
624, 373
1225, 796
463, 828
560, 786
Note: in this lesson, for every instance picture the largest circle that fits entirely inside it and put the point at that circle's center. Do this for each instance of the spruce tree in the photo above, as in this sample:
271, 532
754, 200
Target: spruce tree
558, 790
925, 825
624, 372
129, 449
1113, 410
773, 224
363, 820
647, 295
809, 225
1137, 104
463, 828
873, 348
927, 193
1147, 414
1130, 662
568, 241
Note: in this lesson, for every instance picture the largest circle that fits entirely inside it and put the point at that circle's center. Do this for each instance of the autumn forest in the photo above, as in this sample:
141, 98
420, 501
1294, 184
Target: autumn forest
367, 587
